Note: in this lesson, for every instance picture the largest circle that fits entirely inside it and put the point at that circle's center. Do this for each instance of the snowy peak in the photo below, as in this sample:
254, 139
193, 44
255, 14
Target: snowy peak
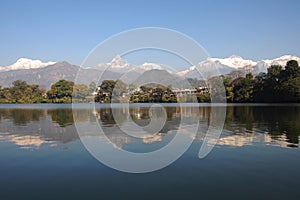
235, 57
119, 65
185, 72
281, 60
118, 62
235, 61
25, 63
150, 66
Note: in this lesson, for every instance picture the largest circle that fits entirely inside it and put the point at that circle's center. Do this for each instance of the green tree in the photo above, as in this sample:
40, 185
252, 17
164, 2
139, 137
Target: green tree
61, 92
92, 87
243, 89
292, 70
290, 90
21, 92
266, 88
144, 88
258, 89
120, 88
157, 93
80, 91
228, 89
278, 85
105, 92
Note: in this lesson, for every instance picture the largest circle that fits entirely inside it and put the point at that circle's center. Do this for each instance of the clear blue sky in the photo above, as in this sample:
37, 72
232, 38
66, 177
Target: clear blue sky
68, 30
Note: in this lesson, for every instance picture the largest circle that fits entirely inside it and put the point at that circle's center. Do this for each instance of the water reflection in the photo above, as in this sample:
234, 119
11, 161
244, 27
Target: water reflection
22, 116
280, 123
31, 128
244, 125
63, 117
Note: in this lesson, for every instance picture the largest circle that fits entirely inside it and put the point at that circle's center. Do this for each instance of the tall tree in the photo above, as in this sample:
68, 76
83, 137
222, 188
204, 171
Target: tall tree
243, 89
105, 92
92, 87
270, 84
292, 69
80, 91
21, 92
61, 92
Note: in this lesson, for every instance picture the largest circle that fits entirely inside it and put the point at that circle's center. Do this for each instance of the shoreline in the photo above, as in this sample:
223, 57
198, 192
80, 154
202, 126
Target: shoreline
109, 105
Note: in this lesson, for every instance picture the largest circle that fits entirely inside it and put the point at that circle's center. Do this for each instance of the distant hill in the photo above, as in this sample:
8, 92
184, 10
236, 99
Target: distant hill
44, 76
47, 73
162, 77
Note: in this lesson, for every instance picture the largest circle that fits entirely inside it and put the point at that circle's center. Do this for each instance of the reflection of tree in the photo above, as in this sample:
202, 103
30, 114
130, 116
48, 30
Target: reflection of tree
62, 116
22, 116
281, 123
281, 120
106, 116
140, 115
82, 115
32, 128
277, 121
240, 115
170, 112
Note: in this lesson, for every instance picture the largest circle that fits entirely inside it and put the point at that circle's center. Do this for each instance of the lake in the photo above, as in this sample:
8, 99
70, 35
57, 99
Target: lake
256, 157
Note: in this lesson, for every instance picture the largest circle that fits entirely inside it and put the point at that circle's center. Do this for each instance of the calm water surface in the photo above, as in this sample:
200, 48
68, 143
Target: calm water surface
257, 156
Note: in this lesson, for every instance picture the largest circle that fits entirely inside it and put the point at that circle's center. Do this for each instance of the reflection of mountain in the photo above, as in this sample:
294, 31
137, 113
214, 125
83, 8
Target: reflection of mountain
155, 138
33, 127
244, 125
140, 115
273, 120
24, 141
251, 138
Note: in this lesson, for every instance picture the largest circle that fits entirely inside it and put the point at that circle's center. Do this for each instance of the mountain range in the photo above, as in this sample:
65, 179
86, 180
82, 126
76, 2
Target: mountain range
47, 73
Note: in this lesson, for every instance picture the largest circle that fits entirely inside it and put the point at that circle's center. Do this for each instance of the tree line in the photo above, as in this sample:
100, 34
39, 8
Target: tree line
277, 85
61, 92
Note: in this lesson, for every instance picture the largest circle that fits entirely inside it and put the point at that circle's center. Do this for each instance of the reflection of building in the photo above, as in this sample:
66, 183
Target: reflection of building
201, 113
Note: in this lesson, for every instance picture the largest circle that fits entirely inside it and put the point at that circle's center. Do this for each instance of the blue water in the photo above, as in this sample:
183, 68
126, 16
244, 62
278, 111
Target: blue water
41, 157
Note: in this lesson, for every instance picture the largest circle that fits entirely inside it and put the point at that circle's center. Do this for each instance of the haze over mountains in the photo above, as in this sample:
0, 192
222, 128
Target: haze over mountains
47, 73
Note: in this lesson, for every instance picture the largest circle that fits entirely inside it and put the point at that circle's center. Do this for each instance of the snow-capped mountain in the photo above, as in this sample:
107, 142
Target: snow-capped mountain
150, 66
226, 65
118, 64
46, 73
206, 68
281, 60
25, 63
235, 61
262, 66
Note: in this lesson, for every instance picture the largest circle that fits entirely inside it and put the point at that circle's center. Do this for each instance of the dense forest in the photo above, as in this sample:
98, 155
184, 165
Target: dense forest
279, 84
